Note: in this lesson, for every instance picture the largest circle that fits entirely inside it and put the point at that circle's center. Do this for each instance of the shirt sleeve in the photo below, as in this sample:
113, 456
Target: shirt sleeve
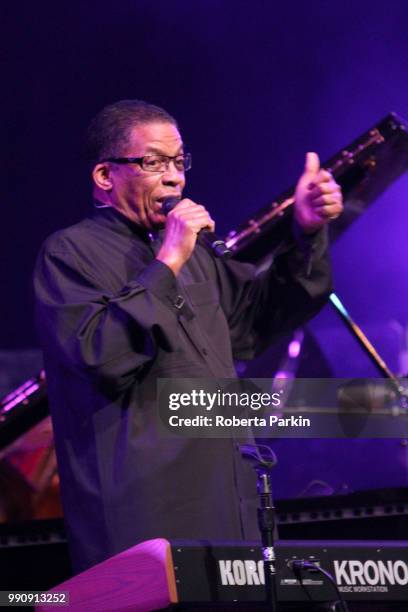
261, 307
108, 337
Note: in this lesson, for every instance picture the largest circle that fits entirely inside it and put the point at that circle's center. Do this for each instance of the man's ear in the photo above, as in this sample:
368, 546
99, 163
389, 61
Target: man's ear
102, 176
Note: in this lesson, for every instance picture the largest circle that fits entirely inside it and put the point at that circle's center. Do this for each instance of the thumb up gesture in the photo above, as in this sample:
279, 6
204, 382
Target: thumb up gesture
318, 197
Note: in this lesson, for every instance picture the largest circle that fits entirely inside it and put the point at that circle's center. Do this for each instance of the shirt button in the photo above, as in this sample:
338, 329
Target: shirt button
179, 302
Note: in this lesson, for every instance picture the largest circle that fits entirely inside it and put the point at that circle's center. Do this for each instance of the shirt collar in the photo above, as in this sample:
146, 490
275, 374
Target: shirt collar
110, 217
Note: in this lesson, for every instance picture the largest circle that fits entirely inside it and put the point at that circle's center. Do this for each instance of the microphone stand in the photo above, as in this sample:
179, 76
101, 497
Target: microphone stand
263, 460
369, 349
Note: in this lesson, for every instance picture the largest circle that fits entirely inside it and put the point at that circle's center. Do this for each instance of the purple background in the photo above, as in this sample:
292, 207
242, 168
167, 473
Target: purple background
254, 85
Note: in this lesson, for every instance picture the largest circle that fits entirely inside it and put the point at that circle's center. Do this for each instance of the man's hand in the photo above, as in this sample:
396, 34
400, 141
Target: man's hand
318, 197
182, 226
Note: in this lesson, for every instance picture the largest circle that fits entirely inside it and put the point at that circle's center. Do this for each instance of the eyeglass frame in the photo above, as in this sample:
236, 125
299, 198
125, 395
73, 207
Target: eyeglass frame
139, 160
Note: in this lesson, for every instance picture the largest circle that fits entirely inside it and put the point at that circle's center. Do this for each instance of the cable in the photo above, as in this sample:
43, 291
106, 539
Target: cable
298, 565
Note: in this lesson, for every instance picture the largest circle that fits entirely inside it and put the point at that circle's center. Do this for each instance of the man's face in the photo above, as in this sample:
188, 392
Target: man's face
137, 193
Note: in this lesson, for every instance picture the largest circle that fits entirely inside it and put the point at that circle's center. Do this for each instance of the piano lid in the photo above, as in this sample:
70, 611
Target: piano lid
364, 170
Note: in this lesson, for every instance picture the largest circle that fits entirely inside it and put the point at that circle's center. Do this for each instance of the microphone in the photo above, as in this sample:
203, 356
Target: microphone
211, 240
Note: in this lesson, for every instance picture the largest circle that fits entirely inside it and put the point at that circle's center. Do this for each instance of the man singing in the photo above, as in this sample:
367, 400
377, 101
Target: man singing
129, 295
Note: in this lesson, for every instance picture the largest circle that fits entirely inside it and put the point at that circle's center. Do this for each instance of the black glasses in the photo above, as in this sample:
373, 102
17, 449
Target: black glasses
155, 163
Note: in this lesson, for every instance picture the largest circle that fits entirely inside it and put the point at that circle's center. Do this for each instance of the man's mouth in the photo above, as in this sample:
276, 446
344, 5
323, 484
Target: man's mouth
159, 202
177, 196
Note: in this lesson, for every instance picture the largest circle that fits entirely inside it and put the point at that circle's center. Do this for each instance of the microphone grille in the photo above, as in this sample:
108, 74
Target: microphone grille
169, 204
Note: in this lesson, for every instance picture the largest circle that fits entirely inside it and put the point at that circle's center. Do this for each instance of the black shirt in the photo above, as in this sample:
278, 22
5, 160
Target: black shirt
113, 319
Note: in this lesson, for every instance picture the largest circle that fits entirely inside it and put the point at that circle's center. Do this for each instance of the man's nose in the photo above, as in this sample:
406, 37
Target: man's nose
172, 176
